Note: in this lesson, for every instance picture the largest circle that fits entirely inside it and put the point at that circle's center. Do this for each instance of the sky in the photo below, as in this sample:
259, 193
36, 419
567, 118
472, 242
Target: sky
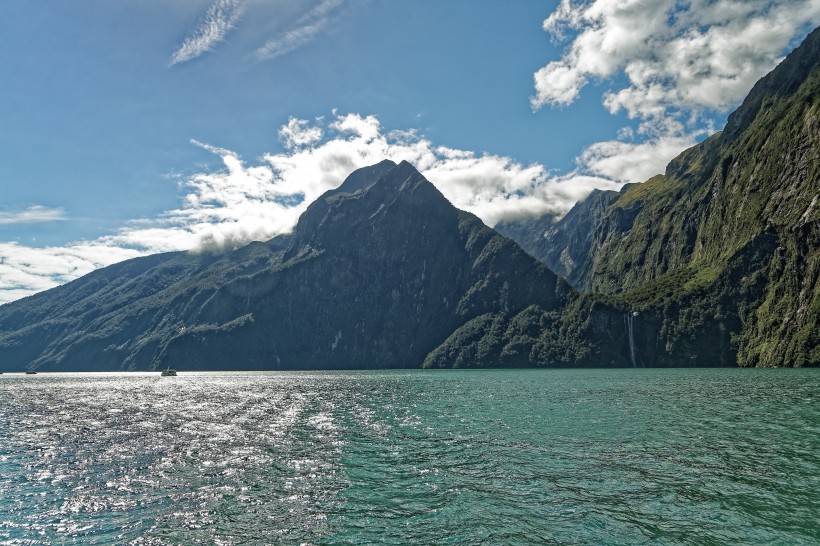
143, 126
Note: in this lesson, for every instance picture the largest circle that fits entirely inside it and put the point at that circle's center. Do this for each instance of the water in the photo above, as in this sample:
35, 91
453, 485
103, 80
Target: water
461, 457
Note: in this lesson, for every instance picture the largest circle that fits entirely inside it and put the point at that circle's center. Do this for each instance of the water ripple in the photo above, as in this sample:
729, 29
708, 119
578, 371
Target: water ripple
513, 457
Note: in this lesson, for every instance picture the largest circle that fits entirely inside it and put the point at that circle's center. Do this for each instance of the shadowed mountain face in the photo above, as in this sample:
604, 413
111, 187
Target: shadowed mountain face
377, 273
720, 254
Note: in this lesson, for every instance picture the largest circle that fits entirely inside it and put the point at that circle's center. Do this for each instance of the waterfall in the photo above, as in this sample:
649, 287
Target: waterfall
628, 320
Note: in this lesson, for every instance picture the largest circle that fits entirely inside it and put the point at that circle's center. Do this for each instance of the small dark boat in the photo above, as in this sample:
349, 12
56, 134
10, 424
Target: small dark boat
169, 372
31, 372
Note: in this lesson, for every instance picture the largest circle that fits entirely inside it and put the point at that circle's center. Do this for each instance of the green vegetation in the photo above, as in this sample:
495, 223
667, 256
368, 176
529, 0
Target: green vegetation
654, 188
725, 240
714, 263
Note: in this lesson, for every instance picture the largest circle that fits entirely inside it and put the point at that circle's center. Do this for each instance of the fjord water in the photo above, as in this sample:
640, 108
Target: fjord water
700, 456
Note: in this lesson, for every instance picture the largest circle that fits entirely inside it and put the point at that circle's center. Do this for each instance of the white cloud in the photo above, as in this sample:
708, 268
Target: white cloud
491, 186
302, 31
676, 54
677, 62
220, 18
25, 270
32, 214
223, 15
230, 207
298, 133
633, 161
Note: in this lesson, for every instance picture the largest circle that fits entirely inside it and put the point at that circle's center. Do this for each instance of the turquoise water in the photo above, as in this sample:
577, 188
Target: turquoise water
700, 456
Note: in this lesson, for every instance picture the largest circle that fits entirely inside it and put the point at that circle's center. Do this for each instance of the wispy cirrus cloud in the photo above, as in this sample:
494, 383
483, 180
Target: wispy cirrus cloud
302, 31
32, 214
223, 15
220, 18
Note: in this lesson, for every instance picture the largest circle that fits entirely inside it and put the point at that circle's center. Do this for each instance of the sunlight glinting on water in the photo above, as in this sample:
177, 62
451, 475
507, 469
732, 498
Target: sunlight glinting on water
618, 457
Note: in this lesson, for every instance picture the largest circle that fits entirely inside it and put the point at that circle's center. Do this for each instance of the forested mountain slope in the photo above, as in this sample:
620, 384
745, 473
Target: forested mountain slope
726, 240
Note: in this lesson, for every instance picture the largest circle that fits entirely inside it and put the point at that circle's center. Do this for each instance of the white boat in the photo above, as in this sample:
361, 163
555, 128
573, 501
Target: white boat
169, 372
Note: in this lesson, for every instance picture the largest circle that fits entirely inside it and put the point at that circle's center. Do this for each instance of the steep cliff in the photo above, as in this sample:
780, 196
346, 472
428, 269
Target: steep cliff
724, 245
564, 245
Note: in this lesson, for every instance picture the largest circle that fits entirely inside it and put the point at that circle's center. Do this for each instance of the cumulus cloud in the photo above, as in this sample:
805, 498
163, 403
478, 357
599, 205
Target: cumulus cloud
298, 133
680, 61
32, 214
302, 31
676, 55
631, 161
220, 18
491, 186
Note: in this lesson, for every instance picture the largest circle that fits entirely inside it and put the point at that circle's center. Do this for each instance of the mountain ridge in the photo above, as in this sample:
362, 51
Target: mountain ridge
748, 191
377, 273
713, 263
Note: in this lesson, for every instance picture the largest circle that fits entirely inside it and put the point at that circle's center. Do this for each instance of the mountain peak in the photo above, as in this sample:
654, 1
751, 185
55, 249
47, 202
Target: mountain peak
400, 174
363, 178
386, 172
781, 82
366, 193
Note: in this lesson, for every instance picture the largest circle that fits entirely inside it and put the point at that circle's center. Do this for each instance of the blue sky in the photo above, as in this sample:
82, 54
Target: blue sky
133, 127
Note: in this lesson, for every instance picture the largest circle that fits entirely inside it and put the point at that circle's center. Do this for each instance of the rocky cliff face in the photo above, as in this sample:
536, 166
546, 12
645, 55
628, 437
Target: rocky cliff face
723, 246
564, 245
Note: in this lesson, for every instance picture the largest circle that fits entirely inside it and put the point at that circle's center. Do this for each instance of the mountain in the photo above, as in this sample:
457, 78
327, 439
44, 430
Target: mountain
381, 272
719, 255
563, 244
117, 317
714, 263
